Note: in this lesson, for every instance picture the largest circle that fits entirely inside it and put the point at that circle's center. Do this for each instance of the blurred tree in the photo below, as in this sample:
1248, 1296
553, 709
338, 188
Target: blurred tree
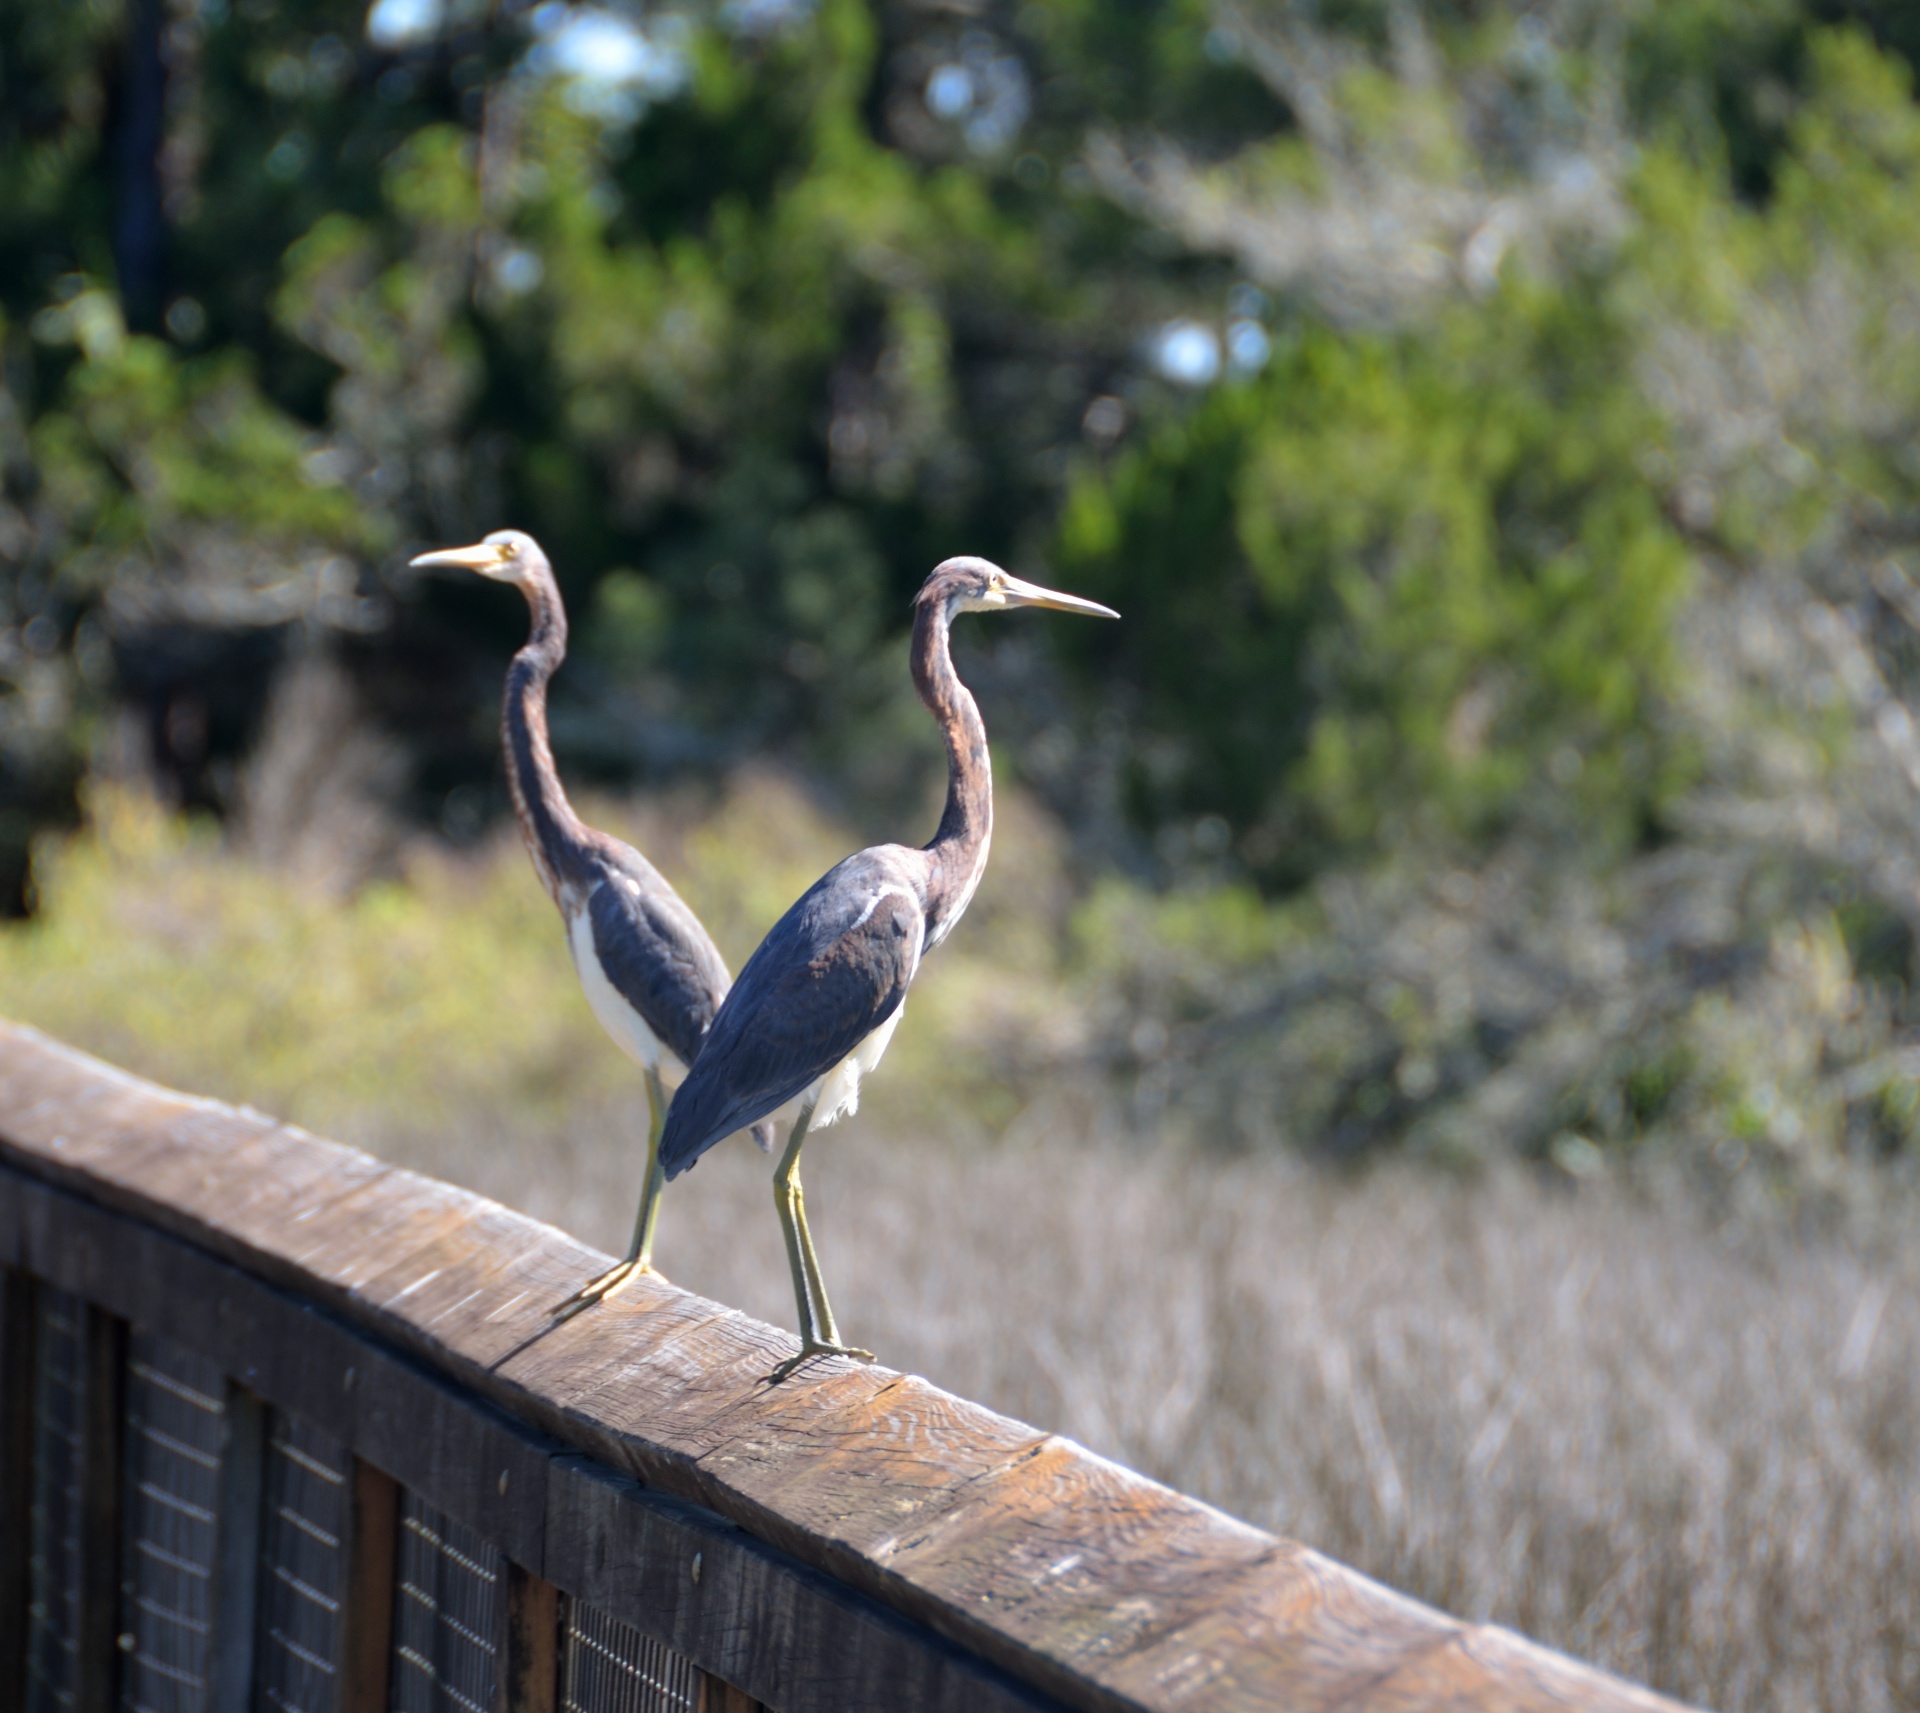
765, 307
1495, 421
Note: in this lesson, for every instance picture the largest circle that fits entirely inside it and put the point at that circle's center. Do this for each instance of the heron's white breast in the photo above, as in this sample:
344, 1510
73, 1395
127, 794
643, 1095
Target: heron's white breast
627, 1027
839, 1095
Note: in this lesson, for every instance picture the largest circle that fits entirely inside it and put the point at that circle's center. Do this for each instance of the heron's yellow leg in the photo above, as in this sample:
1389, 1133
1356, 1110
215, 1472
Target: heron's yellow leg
639, 1256
786, 1201
819, 1336
640, 1249
822, 1309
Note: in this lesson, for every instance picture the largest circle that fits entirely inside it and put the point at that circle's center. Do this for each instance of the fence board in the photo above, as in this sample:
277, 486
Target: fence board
101, 1417
529, 1643
374, 1557
236, 1579
58, 1478
1073, 1575
16, 1478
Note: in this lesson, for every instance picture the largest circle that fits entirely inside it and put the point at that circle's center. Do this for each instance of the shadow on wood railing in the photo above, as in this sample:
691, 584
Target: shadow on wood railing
258, 1448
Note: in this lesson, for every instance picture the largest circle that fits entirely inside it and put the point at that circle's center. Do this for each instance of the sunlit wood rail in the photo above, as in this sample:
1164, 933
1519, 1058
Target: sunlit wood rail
272, 1435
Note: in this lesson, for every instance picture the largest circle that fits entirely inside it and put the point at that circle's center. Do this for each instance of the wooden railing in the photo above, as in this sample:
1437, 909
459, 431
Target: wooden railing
276, 1432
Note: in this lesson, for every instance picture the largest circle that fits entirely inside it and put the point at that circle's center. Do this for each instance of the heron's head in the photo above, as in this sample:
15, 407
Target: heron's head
507, 556
969, 585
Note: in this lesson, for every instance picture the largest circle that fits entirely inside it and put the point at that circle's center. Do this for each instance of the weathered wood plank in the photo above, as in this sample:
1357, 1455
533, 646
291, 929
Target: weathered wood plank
1493, 1669
1293, 1629
1103, 1588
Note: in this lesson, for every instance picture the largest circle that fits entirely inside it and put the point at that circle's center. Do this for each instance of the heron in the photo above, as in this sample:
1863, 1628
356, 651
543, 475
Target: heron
651, 973
817, 1004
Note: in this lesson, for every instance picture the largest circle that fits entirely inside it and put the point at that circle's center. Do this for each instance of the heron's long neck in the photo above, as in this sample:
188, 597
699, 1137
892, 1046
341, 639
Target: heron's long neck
547, 821
959, 848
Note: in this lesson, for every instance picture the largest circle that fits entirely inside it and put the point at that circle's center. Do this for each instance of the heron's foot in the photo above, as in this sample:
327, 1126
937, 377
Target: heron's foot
812, 1348
610, 1284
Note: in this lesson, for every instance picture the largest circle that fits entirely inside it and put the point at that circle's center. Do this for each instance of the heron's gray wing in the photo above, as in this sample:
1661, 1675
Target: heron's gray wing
833, 969
658, 958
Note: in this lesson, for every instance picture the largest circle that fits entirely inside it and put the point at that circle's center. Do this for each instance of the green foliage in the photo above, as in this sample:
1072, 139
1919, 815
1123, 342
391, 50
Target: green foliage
629, 621
765, 340
1427, 572
1180, 957
758, 342
145, 444
1834, 253
1716, 77
1164, 63
52, 100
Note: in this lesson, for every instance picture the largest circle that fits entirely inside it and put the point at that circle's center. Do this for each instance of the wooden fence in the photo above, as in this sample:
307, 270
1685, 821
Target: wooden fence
273, 1435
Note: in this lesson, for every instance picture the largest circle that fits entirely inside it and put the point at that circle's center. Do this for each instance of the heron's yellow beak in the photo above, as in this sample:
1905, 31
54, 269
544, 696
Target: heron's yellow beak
484, 556
1019, 593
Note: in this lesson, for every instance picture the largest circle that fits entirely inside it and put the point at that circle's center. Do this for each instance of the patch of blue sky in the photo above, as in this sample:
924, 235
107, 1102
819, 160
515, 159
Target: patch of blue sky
612, 63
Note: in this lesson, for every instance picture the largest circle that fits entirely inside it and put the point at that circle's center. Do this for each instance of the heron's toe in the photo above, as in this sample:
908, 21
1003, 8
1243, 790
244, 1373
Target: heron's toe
609, 1284
808, 1351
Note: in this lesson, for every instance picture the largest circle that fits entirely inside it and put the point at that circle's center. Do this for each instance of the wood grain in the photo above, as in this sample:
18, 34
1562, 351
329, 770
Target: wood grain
1057, 1569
